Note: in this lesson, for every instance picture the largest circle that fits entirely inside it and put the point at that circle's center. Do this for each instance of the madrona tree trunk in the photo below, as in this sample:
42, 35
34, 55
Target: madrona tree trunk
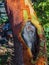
29, 40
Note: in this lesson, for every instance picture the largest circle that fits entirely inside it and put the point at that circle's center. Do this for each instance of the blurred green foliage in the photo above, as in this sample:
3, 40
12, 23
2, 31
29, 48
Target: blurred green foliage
3, 20
3, 58
3, 15
42, 9
46, 29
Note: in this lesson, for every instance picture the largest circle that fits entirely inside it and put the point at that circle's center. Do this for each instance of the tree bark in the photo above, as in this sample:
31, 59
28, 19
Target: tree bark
18, 52
19, 13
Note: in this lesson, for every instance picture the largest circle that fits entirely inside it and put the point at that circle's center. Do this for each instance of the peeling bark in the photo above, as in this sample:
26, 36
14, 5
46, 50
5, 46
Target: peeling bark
17, 11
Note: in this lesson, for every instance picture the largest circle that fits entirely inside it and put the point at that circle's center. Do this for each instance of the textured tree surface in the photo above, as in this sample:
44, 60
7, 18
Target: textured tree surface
20, 12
